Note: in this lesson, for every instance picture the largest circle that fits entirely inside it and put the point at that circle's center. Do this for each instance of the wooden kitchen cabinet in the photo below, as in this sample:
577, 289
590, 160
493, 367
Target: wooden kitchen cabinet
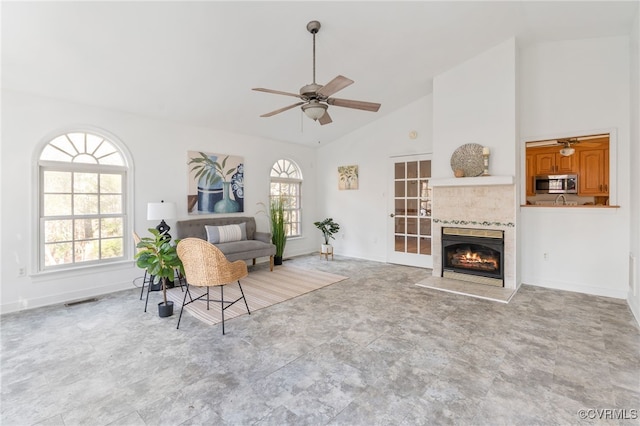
531, 172
548, 161
594, 172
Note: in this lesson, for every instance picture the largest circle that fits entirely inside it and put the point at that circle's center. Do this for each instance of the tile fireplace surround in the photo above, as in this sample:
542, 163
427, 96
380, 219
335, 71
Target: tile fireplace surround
486, 202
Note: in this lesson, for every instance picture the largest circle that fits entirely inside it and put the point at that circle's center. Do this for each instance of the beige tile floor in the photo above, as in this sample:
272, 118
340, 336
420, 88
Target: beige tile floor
373, 349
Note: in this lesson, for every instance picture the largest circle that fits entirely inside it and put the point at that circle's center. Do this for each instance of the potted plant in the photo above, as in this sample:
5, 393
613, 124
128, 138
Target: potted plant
328, 228
278, 231
159, 257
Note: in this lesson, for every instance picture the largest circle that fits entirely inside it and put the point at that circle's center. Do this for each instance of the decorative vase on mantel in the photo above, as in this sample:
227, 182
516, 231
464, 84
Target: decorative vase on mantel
226, 205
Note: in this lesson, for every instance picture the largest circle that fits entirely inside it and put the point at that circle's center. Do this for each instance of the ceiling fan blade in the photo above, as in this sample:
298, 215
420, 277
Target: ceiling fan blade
325, 119
338, 83
348, 103
278, 111
277, 92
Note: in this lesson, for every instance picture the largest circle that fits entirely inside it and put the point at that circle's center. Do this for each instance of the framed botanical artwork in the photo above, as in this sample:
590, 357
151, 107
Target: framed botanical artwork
216, 183
347, 177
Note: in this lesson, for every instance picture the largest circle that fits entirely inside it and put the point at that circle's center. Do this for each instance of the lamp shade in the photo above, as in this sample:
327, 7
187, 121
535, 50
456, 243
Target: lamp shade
161, 210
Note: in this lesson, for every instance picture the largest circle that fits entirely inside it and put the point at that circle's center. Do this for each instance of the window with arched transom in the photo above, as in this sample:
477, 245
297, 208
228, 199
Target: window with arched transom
82, 202
286, 183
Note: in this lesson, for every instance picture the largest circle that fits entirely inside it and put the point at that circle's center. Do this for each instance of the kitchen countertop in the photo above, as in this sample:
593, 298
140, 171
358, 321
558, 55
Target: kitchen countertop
599, 206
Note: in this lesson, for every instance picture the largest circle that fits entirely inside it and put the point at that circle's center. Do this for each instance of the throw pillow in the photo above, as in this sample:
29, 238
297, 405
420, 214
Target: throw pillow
226, 233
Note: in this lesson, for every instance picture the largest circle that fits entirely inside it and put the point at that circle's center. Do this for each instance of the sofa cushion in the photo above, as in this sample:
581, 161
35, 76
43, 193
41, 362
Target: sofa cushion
254, 247
196, 227
226, 233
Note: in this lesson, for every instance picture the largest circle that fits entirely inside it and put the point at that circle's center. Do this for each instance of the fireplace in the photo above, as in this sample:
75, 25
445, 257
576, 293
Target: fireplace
475, 255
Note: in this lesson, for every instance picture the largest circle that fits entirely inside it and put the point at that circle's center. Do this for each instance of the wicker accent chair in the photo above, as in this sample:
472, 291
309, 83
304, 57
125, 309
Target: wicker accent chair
206, 266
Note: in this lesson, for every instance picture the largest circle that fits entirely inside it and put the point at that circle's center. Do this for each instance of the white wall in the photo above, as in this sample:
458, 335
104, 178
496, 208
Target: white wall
475, 102
363, 214
159, 151
575, 87
634, 279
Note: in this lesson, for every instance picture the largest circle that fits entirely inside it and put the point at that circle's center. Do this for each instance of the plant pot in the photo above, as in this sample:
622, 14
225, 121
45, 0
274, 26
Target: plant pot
326, 248
165, 310
277, 260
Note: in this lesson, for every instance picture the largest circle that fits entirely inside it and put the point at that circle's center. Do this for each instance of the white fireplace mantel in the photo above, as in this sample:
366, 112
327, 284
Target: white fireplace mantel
472, 181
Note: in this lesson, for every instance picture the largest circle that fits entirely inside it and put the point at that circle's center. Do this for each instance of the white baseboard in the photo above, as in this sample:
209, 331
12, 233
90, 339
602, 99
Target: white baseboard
61, 298
580, 288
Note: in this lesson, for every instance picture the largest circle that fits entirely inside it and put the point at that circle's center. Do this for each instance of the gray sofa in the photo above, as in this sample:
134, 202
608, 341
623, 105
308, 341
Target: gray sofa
257, 244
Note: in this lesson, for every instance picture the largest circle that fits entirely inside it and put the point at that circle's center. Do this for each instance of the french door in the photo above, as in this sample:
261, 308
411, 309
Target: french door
409, 217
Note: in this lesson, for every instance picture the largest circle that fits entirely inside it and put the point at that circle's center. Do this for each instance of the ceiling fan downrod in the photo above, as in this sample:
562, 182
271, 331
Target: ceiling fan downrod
313, 27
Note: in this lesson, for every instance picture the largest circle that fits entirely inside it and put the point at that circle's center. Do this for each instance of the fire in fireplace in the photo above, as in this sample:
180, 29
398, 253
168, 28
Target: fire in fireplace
474, 255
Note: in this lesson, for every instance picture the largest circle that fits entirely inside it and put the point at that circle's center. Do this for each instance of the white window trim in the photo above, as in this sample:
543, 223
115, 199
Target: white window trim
129, 201
287, 180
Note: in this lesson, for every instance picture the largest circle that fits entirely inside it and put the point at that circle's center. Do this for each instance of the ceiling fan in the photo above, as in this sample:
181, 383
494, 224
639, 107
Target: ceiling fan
568, 150
315, 98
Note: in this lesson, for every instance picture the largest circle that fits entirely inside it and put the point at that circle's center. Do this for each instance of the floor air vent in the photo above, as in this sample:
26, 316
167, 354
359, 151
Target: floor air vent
80, 302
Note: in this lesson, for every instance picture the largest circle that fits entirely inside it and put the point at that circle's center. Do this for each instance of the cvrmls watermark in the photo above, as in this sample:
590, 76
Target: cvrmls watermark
608, 414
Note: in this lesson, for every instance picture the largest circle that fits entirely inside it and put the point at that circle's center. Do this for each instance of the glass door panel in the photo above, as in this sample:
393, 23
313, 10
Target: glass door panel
412, 207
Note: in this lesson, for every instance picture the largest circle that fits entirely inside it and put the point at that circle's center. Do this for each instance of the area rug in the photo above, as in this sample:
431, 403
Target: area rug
262, 289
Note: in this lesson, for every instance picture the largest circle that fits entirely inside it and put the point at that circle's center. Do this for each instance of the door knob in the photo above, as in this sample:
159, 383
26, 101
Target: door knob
392, 215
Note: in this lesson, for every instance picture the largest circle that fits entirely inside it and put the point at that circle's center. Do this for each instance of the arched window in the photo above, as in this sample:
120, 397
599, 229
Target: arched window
286, 182
82, 202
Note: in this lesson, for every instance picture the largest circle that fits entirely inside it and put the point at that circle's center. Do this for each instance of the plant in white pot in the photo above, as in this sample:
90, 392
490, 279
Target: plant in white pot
328, 228
159, 257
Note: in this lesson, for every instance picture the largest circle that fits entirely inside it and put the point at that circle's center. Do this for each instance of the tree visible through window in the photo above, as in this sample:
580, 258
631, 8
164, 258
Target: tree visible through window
286, 183
82, 201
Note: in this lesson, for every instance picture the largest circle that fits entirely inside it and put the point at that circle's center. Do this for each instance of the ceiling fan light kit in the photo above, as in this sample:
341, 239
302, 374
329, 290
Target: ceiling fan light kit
566, 152
314, 110
316, 97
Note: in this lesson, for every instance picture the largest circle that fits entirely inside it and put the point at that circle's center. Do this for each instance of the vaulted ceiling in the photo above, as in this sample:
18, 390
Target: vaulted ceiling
196, 62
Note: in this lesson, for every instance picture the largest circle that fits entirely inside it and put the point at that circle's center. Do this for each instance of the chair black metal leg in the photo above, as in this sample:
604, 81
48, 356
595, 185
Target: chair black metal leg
245, 299
180, 279
151, 279
183, 303
222, 306
144, 280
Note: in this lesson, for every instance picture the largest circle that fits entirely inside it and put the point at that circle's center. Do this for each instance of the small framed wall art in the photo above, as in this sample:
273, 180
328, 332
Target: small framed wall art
347, 177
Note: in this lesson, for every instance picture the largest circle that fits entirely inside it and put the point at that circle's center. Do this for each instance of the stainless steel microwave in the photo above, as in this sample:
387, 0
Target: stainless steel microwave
556, 184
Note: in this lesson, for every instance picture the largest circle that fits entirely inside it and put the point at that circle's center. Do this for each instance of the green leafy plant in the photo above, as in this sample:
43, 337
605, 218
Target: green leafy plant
278, 231
159, 257
328, 228
276, 223
211, 171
